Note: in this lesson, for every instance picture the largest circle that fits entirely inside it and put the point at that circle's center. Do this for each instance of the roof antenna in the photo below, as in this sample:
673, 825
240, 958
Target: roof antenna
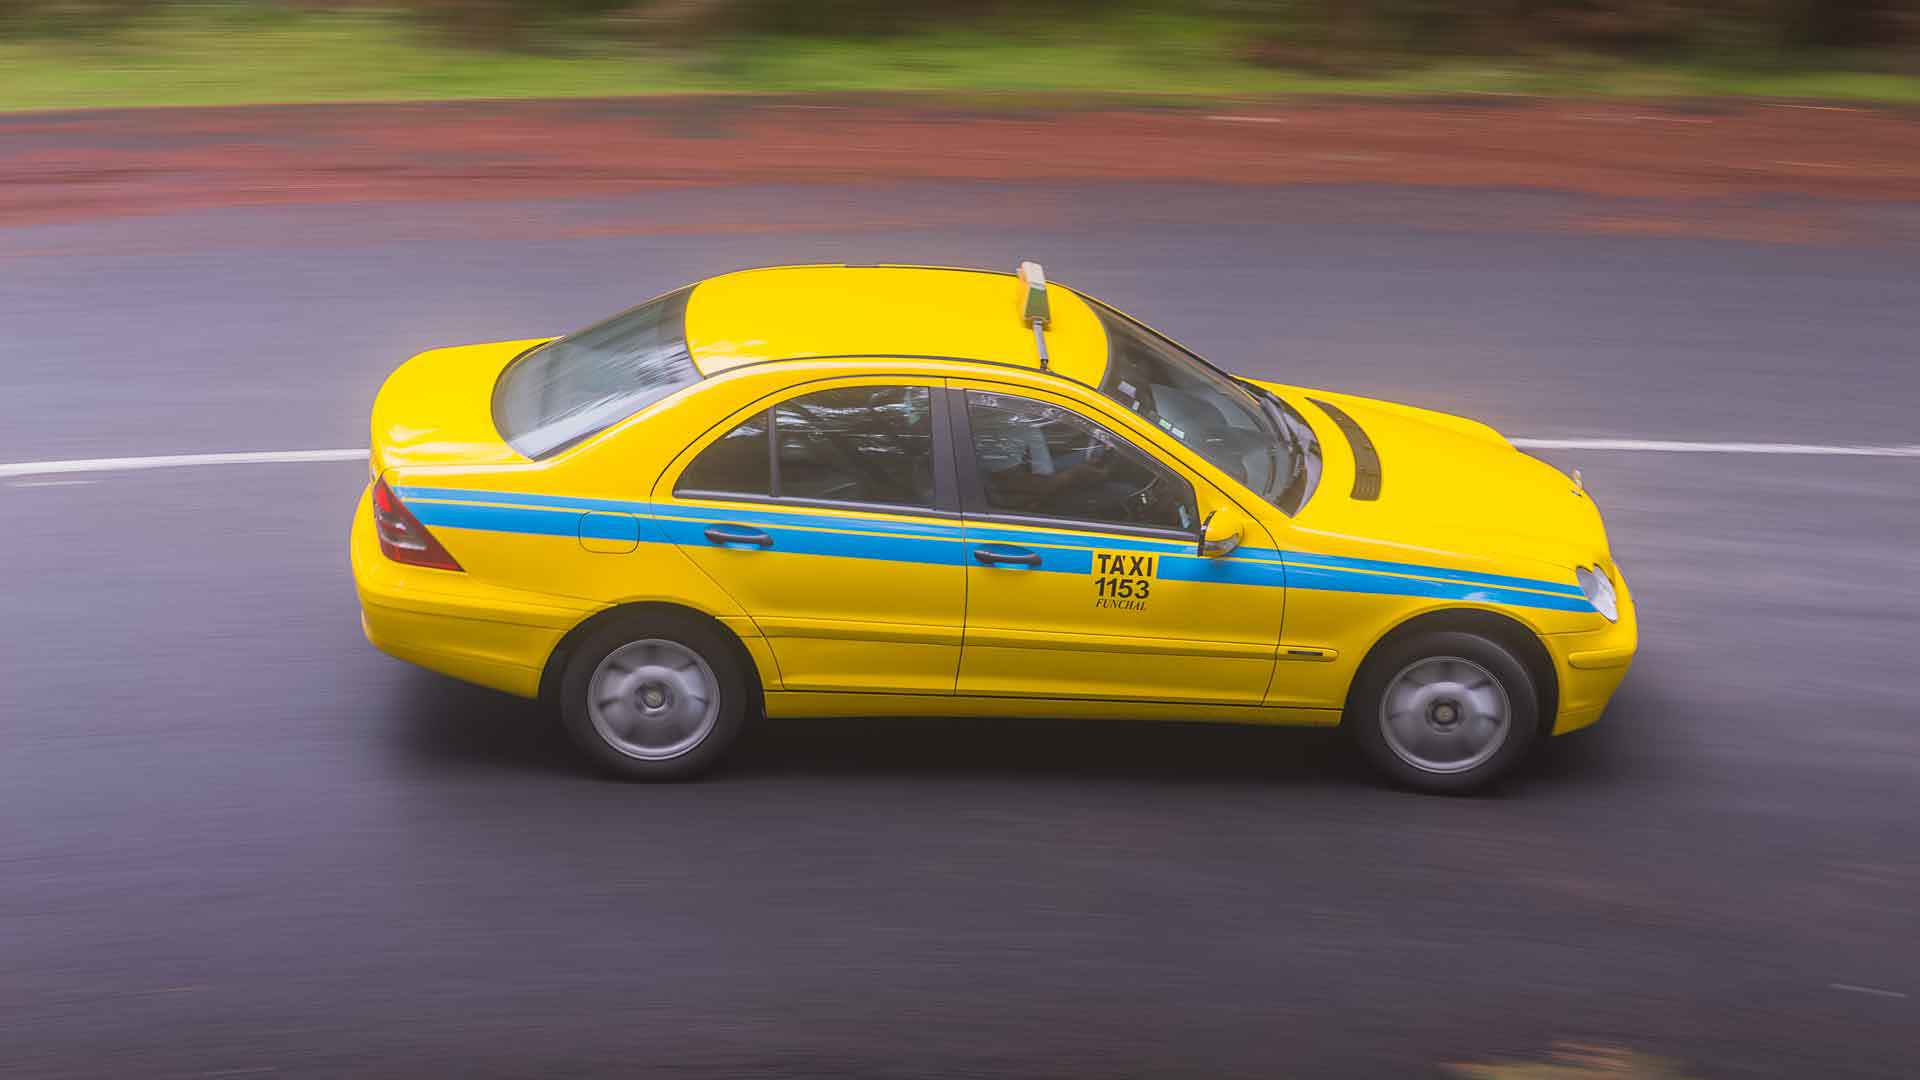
1034, 311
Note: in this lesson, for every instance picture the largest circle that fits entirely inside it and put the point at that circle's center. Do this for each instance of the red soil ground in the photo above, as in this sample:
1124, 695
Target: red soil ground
65, 166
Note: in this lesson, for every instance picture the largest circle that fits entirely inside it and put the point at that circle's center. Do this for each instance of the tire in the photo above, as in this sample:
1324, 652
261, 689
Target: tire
654, 697
1444, 712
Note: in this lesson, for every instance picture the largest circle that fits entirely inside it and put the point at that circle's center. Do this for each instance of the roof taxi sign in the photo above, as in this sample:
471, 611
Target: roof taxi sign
1033, 307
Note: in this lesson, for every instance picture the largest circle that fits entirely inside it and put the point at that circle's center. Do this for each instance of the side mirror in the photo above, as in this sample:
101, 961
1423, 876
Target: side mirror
1220, 533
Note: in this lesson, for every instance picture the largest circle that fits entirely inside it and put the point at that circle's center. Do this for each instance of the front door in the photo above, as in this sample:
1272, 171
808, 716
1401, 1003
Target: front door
830, 517
1083, 575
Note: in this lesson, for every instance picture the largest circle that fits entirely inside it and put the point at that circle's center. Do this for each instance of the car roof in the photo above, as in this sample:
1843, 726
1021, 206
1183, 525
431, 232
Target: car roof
797, 312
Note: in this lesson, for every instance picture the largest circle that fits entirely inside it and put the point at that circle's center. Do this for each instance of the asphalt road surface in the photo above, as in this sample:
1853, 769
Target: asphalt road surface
235, 840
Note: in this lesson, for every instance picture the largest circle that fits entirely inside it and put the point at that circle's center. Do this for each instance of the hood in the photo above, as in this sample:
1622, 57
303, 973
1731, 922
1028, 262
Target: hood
1447, 485
437, 408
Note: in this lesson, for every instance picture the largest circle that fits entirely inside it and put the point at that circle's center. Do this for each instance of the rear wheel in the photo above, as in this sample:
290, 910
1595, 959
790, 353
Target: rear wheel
654, 698
1445, 712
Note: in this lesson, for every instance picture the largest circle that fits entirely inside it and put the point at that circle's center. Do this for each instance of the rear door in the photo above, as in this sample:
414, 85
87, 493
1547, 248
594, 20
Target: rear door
830, 514
1083, 576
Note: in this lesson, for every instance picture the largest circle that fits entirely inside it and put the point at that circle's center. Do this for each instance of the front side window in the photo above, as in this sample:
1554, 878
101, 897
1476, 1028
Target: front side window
1250, 435
859, 444
579, 385
1039, 460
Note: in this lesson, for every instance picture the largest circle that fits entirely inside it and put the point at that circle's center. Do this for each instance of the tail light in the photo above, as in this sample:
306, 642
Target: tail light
402, 537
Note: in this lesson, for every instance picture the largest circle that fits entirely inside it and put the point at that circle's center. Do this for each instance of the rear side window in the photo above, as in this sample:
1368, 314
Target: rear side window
581, 384
736, 465
859, 444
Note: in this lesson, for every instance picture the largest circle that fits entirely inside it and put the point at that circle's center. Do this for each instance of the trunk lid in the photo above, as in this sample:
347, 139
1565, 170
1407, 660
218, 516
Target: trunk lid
437, 408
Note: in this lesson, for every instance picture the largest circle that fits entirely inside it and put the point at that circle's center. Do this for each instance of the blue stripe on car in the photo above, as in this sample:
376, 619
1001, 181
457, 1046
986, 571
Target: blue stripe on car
1338, 562
515, 519
948, 544
1313, 577
947, 551
519, 498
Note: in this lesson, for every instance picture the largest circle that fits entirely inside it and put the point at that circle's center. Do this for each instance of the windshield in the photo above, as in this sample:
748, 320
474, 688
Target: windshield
1248, 433
581, 384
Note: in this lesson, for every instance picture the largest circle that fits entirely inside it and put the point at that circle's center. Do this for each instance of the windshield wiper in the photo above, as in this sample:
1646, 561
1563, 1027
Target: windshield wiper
1270, 406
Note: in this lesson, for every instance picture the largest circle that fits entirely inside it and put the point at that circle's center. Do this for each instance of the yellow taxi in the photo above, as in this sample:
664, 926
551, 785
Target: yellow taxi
890, 491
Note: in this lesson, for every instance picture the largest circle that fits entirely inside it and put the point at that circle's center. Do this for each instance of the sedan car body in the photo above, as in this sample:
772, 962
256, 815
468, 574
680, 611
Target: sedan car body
829, 490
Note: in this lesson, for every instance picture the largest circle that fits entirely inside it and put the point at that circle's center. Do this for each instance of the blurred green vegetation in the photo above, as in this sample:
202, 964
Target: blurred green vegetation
77, 53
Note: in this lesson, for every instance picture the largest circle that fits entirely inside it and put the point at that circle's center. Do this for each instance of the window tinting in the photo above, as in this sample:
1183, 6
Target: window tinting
1037, 459
866, 444
735, 465
578, 385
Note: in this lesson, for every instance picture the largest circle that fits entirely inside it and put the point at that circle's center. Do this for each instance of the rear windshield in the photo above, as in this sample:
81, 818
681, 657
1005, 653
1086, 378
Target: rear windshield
575, 386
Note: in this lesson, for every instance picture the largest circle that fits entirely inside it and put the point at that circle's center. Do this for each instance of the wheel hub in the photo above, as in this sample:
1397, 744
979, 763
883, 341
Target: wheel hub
653, 699
1445, 714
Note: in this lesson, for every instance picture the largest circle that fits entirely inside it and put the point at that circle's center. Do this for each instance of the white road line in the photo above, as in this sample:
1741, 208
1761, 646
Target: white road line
1876, 992
1670, 446
277, 457
175, 461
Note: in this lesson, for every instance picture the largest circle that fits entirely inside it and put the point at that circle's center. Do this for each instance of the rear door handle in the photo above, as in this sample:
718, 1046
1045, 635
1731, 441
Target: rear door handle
1007, 556
726, 536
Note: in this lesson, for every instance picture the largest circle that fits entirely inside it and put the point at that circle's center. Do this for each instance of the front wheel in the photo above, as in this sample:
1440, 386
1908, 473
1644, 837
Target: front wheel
653, 699
1444, 712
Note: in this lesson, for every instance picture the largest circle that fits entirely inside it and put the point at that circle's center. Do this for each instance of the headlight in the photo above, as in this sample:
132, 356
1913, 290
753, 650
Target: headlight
1598, 588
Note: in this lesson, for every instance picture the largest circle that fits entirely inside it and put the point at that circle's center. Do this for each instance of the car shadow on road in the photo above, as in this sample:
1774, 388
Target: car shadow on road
443, 724
1116, 749
451, 725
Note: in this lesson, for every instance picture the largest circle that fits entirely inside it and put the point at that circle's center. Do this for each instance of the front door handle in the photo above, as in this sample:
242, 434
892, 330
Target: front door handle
1007, 556
725, 536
